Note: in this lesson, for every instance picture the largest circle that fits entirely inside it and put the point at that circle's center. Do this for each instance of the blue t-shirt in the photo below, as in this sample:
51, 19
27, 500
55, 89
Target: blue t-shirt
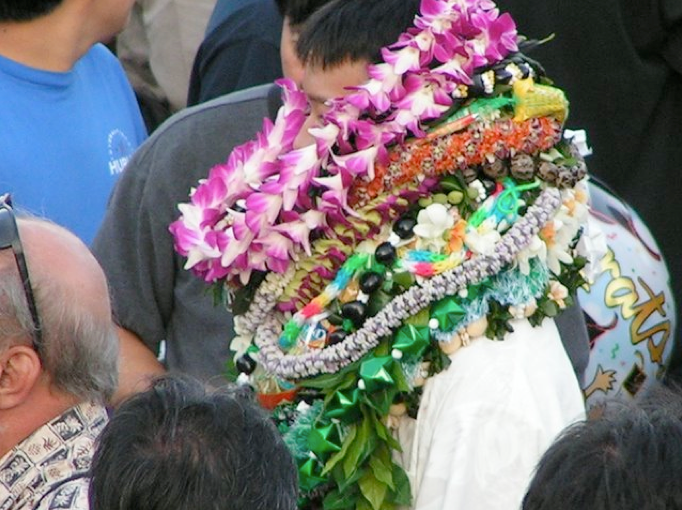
66, 137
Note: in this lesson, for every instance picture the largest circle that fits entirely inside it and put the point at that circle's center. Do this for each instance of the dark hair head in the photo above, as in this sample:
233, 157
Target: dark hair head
354, 30
26, 10
180, 447
631, 458
298, 11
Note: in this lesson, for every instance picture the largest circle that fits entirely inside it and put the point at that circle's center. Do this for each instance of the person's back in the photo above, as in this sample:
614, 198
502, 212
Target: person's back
179, 446
71, 119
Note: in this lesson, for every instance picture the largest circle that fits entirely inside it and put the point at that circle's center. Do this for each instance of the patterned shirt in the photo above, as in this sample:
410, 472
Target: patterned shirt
49, 469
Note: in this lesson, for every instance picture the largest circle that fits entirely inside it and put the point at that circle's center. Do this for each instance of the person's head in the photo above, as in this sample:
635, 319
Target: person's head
73, 26
179, 446
294, 13
630, 458
67, 351
339, 41
26, 10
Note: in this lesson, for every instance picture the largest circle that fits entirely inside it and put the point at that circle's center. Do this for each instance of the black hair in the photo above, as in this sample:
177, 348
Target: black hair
354, 30
179, 446
630, 458
26, 10
298, 11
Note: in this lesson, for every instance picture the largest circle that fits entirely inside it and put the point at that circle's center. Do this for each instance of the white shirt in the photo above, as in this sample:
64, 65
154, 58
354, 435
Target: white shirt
485, 421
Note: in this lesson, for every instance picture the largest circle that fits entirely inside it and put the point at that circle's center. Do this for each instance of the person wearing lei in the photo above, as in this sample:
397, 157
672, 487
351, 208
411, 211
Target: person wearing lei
394, 283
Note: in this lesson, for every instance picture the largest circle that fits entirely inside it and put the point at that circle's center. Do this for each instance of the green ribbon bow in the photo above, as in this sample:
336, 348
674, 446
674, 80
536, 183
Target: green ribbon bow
375, 373
344, 405
412, 341
448, 314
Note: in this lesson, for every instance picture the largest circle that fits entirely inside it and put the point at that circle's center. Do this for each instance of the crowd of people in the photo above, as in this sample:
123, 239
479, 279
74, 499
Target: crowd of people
356, 287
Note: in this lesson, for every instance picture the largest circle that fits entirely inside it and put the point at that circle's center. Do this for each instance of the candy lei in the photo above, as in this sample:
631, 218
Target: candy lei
333, 358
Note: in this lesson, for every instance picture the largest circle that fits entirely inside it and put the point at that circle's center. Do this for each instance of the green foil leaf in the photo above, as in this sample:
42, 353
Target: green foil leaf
412, 341
448, 314
375, 373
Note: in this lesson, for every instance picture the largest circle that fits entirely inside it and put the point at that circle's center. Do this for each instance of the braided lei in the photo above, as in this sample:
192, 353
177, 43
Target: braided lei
355, 269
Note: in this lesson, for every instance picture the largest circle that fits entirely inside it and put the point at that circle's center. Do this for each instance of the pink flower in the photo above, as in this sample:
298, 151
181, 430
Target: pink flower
336, 195
262, 209
357, 164
297, 227
297, 169
384, 86
403, 60
426, 98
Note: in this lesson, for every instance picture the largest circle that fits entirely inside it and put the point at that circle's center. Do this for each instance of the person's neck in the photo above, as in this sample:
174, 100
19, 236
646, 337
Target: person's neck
53, 42
17, 423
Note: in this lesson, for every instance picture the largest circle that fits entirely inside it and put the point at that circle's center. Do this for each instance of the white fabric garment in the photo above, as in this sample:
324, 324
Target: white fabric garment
485, 421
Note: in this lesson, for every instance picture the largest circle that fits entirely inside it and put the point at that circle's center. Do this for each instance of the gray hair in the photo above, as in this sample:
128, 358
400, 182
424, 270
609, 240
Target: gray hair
80, 349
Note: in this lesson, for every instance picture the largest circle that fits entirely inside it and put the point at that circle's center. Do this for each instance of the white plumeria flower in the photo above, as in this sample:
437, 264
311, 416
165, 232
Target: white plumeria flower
536, 248
432, 223
480, 189
482, 240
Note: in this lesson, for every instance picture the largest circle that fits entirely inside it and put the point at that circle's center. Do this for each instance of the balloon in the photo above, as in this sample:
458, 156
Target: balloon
630, 309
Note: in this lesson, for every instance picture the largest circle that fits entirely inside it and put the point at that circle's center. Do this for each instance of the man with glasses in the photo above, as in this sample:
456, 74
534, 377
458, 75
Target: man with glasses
58, 363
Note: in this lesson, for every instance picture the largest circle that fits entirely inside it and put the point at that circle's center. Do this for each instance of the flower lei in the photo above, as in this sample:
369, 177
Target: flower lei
256, 212
426, 234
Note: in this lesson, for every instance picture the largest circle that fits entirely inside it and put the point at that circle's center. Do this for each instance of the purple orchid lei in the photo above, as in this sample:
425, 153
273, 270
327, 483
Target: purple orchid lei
256, 211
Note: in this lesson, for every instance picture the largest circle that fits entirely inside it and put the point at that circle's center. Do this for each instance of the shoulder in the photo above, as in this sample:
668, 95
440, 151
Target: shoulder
100, 65
243, 13
99, 54
237, 116
187, 145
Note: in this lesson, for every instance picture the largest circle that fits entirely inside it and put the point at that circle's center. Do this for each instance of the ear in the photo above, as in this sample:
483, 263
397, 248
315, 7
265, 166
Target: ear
20, 369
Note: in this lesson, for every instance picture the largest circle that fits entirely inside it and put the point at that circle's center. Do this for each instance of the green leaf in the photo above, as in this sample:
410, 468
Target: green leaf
382, 466
243, 297
347, 484
378, 300
403, 279
550, 308
399, 377
363, 504
380, 429
381, 400
361, 446
340, 380
402, 495
338, 456
337, 500
373, 490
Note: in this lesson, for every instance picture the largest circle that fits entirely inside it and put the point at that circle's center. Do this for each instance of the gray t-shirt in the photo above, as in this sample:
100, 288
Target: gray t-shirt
153, 296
